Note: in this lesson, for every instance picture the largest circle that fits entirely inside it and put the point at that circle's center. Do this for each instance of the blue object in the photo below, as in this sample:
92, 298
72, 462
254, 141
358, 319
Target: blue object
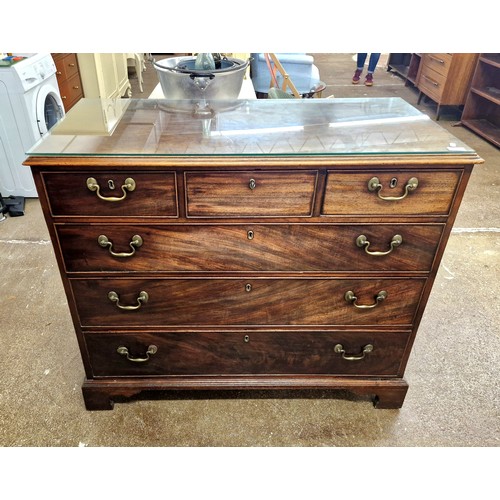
299, 66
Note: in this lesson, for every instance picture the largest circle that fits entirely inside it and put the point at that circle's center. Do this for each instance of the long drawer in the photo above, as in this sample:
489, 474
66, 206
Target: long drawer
230, 353
125, 302
251, 247
419, 193
115, 194
250, 194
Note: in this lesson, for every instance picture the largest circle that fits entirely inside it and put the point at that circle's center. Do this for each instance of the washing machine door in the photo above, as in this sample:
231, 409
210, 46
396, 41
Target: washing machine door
49, 107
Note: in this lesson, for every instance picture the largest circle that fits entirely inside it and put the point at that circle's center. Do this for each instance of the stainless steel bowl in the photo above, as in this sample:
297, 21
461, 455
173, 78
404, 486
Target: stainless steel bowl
180, 80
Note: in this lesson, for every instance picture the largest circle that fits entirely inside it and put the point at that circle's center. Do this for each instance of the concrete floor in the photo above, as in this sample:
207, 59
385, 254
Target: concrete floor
453, 398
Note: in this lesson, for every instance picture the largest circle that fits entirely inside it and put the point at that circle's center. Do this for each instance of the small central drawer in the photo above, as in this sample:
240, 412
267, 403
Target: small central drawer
250, 194
114, 193
396, 193
250, 352
117, 302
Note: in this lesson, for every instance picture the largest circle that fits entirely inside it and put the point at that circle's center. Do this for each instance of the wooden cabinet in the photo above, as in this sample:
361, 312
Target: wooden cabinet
68, 79
405, 65
234, 255
104, 75
445, 78
482, 108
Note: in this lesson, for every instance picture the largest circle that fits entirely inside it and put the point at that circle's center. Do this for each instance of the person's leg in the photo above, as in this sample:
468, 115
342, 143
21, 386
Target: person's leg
372, 64
360, 63
361, 59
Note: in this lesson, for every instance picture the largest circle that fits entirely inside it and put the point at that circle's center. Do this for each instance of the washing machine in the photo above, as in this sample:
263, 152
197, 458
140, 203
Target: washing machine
30, 105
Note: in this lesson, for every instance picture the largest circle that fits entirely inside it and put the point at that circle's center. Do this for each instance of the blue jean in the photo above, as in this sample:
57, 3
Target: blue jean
372, 63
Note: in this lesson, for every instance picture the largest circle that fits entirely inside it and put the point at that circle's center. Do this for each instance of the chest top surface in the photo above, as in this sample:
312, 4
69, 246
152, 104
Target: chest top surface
261, 127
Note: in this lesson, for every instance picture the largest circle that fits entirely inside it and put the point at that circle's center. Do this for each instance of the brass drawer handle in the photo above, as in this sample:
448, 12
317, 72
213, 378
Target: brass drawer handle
141, 299
352, 299
339, 349
362, 241
152, 349
128, 186
135, 242
374, 185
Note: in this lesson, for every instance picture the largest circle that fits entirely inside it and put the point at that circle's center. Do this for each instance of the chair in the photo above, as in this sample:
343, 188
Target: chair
139, 64
299, 67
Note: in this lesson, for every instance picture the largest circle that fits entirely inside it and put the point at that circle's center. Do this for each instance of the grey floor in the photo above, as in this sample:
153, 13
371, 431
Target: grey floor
453, 370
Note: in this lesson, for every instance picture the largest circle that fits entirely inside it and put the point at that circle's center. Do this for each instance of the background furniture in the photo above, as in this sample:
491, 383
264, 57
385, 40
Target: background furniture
68, 79
445, 78
104, 75
482, 109
405, 65
136, 60
300, 67
293, 246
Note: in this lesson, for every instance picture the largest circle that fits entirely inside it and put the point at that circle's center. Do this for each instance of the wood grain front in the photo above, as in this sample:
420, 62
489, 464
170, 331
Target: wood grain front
354, 193
111, 195
250, 194
253, 247
237, 352
253, 301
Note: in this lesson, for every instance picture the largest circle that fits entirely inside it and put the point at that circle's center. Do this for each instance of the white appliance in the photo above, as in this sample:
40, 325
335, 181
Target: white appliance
30, 104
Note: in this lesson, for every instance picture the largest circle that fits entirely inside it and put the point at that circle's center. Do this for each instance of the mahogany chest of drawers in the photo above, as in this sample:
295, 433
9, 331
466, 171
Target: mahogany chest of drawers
257, 245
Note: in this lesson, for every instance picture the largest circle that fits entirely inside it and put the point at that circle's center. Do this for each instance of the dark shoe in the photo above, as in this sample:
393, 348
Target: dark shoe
369, 80
356, 77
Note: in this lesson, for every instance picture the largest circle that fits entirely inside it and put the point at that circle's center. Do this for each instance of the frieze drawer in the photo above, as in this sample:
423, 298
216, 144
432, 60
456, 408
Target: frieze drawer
398, 193
250, 194
246, 301
234, 352
125, 194
250, 247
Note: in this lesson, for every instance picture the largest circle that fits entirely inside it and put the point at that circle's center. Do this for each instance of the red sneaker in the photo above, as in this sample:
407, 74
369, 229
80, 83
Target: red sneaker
357, 75
369, 80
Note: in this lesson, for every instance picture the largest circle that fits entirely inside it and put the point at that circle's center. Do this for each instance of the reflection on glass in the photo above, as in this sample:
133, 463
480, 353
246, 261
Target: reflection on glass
247, 127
